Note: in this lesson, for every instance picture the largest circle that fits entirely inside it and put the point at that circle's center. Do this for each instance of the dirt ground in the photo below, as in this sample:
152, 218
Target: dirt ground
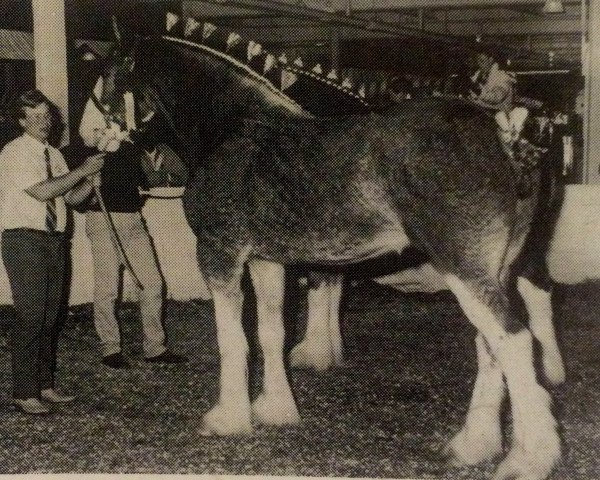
402, 393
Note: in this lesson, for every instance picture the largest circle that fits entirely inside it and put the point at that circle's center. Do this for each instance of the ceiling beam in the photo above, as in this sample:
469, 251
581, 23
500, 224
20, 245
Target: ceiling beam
515, 27
288, 9
410, 4
454, 26
321, 12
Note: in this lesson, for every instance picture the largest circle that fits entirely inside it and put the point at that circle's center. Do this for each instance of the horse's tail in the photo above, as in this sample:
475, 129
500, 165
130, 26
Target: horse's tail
548, 203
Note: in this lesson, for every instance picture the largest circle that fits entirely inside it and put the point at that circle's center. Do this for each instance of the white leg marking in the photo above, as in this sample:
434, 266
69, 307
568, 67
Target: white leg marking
536, 448
276, 404
480, 439
315, 350
539, 308
231, 415
335, 334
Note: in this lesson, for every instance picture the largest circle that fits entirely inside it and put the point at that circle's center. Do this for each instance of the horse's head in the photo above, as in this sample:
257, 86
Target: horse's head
210, 82
117, 78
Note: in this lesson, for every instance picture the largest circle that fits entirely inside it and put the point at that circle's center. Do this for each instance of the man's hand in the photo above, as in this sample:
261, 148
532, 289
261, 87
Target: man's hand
93, 164
95, 180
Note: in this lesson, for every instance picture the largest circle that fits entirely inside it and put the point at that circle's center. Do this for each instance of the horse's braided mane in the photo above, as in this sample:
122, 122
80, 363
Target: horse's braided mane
235, 63
270, 70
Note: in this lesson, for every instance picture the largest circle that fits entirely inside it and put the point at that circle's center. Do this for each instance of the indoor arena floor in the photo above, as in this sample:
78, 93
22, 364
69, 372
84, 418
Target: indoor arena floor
403, 391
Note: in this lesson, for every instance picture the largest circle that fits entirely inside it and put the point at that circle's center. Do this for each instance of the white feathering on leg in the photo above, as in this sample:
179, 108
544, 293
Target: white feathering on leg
276, 404
536, 448
480, 438
231, 416
539, 307
314, 351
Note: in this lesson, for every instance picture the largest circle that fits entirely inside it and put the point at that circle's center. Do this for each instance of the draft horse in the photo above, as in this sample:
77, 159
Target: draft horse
275, 185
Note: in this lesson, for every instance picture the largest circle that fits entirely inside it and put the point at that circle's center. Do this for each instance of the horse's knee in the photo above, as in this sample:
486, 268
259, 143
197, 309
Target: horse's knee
268, 279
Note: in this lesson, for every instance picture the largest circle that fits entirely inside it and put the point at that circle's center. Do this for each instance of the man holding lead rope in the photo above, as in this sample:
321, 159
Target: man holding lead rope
119, 237
35, 186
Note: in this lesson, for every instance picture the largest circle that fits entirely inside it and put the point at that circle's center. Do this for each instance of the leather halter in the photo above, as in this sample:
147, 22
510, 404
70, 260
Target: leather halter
101, 108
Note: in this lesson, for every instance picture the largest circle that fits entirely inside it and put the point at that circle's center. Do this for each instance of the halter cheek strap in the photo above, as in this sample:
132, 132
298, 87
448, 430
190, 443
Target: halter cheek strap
101, 108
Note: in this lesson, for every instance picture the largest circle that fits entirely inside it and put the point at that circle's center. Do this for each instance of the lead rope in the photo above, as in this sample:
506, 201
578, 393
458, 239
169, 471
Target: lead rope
118, 245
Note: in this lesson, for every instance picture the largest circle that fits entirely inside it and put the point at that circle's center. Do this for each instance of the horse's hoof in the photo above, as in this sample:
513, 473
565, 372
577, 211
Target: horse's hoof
275, 410
462, 450
311, 356
522, 465
226, 421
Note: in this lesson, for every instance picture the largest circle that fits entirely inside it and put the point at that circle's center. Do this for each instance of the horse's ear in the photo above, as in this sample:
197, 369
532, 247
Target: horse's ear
117, 31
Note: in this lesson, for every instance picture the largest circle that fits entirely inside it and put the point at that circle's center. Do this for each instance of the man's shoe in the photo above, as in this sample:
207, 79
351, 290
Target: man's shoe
31, 406
167, 357
116, 360
52, 396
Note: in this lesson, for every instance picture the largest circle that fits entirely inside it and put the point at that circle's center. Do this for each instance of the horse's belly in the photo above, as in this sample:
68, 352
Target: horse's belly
360, 249
344, 247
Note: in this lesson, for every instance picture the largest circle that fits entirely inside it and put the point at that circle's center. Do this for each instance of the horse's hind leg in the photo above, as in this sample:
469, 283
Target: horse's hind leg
231, 415
335, 333
538, 302
276, 404
321, 348
536, 445
480, 439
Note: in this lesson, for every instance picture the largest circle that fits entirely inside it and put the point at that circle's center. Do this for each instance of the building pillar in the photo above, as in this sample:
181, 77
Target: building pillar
50, 53
591, 69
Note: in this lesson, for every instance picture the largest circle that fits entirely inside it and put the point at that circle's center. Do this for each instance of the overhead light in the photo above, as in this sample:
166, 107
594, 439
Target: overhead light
553, 6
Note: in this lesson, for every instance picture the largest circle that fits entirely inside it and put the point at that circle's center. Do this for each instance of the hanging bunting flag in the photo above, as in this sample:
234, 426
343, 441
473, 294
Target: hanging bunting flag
282, 58
362, 91
269, 62
254, 49
190, 27
233, 40
172, 20
332, 75
287, 79
347, 83
317, 69
298, 62
208, 30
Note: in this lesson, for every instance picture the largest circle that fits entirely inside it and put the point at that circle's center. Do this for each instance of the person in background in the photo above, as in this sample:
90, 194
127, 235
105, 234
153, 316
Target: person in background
163, 167
122, 177
35, 184
494, 88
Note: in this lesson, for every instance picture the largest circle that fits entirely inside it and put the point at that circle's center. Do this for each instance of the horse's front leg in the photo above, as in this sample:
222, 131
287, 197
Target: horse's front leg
276, 404
231, 415
321, 348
